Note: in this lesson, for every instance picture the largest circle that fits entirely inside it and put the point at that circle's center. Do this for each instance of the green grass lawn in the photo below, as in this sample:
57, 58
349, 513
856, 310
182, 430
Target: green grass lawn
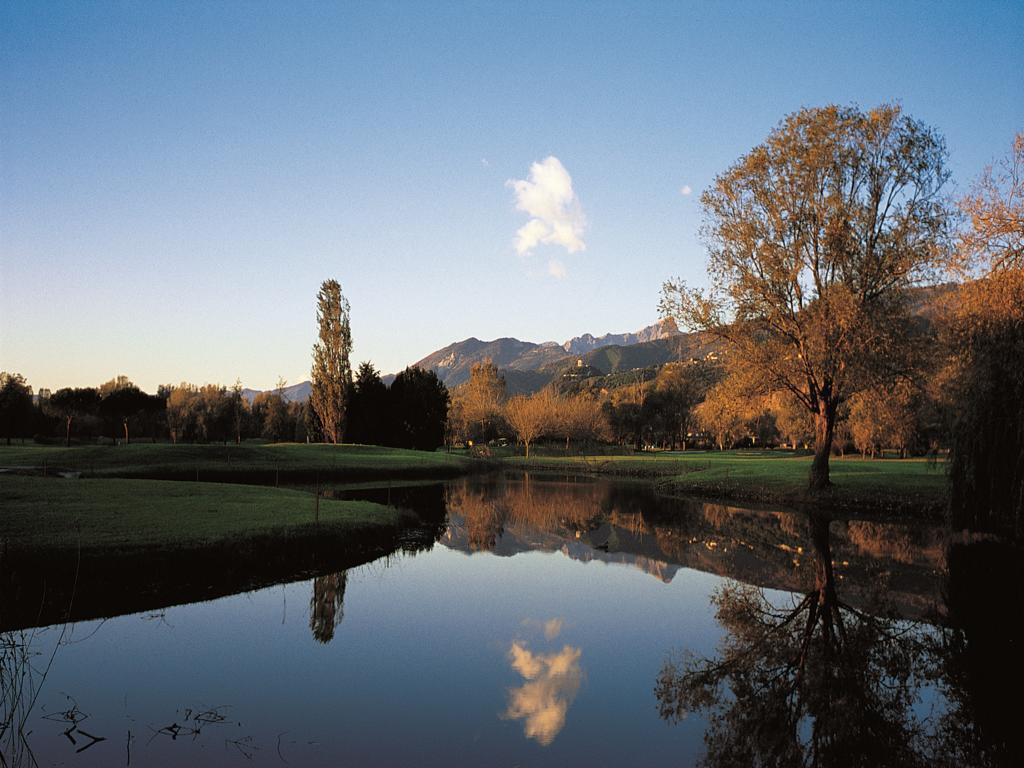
258, 463
892, 485
112, 517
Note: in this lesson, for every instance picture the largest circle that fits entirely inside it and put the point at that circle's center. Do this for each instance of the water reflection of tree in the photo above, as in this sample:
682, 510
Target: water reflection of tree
818, 683
490, 510
327, 606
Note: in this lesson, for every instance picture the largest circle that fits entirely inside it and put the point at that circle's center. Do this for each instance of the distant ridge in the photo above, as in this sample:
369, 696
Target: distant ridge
528, 366
661, 330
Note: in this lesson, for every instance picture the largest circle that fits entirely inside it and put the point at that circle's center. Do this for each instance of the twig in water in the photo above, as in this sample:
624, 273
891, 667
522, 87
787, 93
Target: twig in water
279, 747
93, 741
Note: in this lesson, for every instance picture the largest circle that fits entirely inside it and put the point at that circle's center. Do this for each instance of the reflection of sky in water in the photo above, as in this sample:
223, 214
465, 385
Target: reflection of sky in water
551, 681
417, 673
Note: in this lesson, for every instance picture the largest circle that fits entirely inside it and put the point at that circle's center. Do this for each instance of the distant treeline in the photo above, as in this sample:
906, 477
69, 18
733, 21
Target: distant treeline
692, 404
411, 413
682, 405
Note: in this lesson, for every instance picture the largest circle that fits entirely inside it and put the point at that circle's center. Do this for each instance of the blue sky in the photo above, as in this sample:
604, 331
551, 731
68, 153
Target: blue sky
177, 179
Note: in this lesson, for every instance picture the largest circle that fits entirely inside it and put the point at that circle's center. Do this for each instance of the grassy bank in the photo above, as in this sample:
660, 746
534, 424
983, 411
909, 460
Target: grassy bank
85, 549
249, 463
913, 487
117, 517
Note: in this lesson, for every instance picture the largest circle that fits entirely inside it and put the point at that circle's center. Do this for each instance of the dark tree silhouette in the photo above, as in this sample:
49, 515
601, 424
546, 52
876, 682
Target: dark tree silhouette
368, 408
15, 406
418, 405
118, 407
71, 404
987, 451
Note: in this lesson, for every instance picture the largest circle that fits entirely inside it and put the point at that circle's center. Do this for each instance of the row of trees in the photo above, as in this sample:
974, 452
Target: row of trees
697, 404
681, 405
904, 417
410, 414
213, 413
117, 409
482, 411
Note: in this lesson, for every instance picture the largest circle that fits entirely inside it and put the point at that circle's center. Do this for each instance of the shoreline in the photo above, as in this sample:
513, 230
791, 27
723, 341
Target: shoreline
697, 476
73, 549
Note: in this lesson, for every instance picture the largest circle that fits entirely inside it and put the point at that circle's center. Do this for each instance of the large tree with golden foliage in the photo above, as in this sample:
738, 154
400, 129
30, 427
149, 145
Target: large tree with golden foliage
332, 373
987, 335
813, 237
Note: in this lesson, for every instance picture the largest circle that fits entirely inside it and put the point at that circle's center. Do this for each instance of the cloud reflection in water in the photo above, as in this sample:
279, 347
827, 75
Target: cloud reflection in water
551, 683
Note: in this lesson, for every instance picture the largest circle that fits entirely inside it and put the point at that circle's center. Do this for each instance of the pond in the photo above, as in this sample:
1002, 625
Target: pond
542, 621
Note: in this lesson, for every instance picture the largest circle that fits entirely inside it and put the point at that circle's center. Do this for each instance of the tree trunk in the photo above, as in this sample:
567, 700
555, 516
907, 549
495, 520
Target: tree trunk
68, 438
526, 443
127, 441
824, 576
824, 422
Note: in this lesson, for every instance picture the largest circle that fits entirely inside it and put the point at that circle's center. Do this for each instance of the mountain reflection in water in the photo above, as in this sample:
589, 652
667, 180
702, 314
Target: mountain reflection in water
629, 524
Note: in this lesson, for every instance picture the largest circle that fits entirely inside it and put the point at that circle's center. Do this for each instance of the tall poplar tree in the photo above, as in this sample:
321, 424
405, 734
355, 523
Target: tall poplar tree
332, 374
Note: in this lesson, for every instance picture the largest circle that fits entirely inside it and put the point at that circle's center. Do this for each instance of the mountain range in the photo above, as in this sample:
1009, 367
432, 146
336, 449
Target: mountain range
529, 366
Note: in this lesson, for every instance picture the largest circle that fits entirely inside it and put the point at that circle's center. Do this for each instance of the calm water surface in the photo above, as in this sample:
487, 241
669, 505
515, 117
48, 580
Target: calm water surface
534, 632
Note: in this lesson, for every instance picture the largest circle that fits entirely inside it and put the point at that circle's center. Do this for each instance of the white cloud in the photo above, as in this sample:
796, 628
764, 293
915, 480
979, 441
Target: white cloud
557, 269
685, 191
556, 216
485, 162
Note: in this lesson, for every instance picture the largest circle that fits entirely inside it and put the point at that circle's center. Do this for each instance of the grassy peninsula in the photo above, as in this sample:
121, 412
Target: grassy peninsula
117, 517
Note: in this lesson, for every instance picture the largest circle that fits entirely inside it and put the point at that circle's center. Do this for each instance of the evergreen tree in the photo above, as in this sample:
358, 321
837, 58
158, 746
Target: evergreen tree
419, 410
368, 408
